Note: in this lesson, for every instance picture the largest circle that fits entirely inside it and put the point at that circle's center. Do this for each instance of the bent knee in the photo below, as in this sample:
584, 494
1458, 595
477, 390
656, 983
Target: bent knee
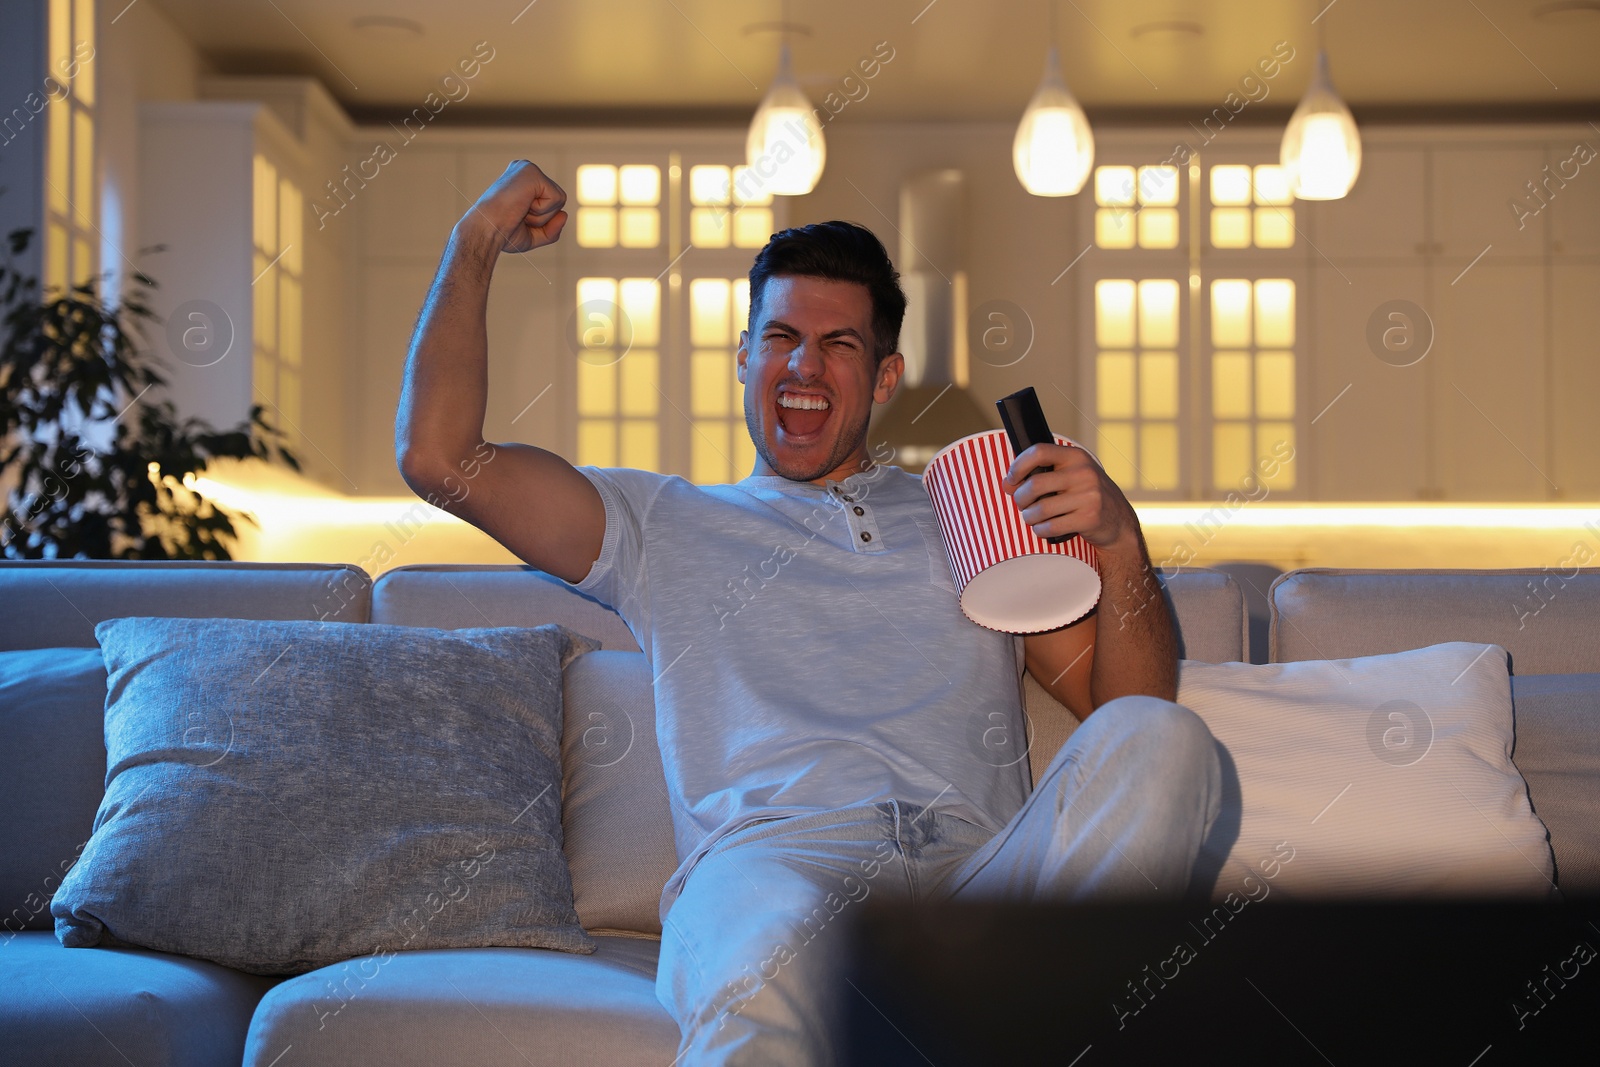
1160, 722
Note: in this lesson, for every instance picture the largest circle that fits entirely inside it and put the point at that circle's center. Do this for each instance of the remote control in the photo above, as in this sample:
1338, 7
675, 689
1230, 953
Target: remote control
1025, 425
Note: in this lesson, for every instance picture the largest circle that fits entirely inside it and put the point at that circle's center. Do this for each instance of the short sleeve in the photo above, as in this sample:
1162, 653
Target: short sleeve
618, 577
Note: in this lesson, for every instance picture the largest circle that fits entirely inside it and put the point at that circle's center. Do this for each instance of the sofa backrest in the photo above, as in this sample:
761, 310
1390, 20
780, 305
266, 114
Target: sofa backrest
615, 813
1546, 618
52, 695
56, 603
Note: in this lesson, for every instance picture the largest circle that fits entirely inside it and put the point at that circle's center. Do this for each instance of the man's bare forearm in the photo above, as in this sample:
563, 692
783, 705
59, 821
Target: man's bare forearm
1136, 650
446, 387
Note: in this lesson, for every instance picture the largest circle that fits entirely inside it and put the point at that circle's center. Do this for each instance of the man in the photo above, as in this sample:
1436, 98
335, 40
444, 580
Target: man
818, 690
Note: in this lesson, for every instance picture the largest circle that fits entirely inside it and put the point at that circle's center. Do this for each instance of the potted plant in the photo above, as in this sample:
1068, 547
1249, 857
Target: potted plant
93, 463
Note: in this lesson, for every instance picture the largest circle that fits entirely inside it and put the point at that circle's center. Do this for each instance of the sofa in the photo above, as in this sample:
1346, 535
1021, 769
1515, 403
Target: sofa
537, 1006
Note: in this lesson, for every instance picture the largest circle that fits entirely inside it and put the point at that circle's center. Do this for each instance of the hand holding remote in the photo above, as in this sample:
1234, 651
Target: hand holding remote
1025, 424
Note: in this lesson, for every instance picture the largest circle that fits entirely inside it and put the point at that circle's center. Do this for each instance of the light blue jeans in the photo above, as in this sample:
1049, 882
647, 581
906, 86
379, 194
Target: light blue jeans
751, 952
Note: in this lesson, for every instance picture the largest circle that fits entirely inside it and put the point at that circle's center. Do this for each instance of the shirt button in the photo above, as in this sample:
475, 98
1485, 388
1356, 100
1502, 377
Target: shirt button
859, 510
851, 499
865, 536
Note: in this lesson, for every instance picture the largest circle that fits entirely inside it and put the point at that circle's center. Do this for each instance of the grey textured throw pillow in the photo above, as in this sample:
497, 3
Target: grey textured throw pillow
285, 795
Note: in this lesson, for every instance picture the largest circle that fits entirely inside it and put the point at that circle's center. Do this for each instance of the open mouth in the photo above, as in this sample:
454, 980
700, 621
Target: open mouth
801, 416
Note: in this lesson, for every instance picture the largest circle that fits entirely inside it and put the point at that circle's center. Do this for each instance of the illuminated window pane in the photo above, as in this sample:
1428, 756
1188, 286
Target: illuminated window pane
82, 261
597, 388
1114, 186
641, 303
1230, 227
752, 227
598, 324
1230, 314
744, 451
266, 307
709, 312
640, 444
83, 168
1113, 227
56, 272
288, 319
289, 227
1158, 455
709, 452
1230, 185
710, 185
1274, 440
1275, 385
1114, 385
289, 398
266, 206
641, 227
60, 34
1231, 458
1158, 227
1115, 451
1272, 185
1158, 186
1230, 385
1158, 385
597, 444
1274, 227
640, 185
60, 172
709, 373
741, 303
597, 227
1275, 313
641, 374
597, 184
748, 188
1158, 313
1113, 318
709, 227
83, 30
264, 380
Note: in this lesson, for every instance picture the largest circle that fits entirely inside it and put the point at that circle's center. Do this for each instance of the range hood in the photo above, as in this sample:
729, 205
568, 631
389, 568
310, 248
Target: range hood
932, 406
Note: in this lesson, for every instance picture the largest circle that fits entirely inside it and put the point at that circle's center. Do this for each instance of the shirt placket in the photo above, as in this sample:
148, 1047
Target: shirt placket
864, 534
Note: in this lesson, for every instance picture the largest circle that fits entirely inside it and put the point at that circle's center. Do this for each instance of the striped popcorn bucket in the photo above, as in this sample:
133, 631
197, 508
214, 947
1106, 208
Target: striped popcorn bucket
1008, 577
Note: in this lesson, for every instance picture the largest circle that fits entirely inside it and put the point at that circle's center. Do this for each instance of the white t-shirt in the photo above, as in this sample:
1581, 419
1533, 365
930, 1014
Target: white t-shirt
808, 651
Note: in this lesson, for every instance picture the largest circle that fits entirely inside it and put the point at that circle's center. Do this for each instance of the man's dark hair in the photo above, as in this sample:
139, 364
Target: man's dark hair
842, 252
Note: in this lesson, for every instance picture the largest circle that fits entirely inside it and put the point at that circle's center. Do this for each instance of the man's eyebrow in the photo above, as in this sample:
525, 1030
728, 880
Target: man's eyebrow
843, 331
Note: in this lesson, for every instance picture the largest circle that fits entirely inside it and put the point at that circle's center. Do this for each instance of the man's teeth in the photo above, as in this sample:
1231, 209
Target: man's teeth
808, 403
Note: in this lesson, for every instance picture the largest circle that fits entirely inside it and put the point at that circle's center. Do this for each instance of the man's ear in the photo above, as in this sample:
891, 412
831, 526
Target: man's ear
889, 374
743, 355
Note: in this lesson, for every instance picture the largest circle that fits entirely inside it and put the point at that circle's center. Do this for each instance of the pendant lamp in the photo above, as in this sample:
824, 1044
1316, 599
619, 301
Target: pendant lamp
784, 148
1321, 147
1053, 151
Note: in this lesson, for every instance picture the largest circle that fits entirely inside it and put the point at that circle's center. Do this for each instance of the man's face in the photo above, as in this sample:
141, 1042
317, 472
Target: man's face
809, 380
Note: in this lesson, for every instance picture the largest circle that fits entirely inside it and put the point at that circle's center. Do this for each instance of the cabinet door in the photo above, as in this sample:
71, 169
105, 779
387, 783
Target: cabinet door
1384, 215
411, 204
1370, 437
1473, 190
1575, 204
1489, 381
1575, 379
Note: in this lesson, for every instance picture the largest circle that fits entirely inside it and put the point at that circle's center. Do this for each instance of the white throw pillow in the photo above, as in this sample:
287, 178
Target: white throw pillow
1381, 776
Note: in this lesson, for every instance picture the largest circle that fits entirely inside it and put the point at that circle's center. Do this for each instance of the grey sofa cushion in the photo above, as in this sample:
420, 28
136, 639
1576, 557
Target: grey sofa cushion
615, 814
119, 1006
1547, 620
53, 764
516, 1007
56, 604
451, 597
286, 795
1558, 752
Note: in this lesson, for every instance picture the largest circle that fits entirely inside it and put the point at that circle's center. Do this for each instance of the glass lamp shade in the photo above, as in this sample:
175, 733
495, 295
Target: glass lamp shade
1321, 147
784, 148
1053, 151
